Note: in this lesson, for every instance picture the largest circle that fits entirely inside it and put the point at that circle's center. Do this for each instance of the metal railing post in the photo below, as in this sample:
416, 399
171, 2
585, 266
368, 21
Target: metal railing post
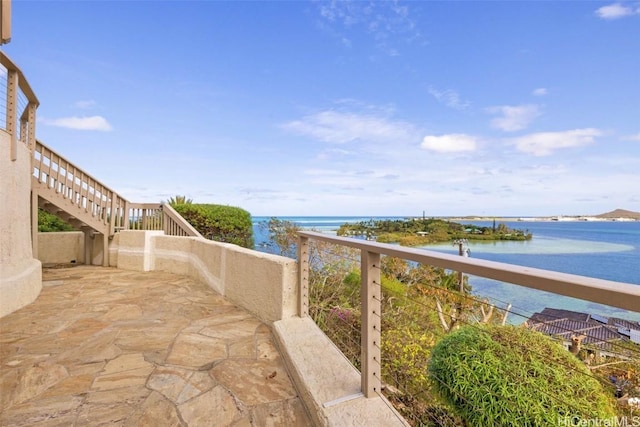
12, 111
303, 276
370, 296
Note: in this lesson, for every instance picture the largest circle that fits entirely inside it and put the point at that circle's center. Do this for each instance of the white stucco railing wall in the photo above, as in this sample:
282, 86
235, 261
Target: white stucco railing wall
261, 283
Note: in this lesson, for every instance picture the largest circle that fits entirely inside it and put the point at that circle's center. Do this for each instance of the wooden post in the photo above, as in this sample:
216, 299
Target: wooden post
370, 296
5, 21
303, 276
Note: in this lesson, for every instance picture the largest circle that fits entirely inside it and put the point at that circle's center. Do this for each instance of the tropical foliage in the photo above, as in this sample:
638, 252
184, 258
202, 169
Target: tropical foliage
508, 376
217, 222
179, 200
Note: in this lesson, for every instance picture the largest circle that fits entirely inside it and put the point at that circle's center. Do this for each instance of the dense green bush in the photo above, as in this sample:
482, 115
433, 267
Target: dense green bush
49, 222
221, 223
512, 376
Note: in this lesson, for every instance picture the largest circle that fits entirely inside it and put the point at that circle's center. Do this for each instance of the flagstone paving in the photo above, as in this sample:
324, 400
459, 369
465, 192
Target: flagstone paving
108, 347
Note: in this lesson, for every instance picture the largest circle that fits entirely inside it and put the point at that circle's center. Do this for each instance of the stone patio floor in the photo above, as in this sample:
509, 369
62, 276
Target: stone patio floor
102, 346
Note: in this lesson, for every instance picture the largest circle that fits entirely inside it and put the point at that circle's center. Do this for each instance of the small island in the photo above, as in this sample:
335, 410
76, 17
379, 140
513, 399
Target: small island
424, 231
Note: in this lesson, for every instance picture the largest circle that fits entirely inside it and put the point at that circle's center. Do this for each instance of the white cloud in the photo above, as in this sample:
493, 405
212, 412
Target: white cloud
616, 11
451, 143
383, 21
450, 98
635, 137
514, 117
545, 143
80, 123
541, 91
340, 127
85, 103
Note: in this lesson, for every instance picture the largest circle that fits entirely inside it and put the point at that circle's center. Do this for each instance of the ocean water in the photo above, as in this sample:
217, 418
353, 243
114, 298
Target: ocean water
607, 250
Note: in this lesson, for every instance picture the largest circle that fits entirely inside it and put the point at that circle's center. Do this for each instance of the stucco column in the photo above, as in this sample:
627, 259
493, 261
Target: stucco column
20, 272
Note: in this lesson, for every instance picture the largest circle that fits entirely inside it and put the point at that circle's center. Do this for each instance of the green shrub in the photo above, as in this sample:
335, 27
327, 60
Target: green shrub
49, 222
512, 376
221, 223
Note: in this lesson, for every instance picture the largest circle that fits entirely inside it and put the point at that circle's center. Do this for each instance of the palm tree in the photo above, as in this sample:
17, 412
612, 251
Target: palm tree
179, 200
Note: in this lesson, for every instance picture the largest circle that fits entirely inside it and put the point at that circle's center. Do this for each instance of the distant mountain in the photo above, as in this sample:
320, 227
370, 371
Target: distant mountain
620, 213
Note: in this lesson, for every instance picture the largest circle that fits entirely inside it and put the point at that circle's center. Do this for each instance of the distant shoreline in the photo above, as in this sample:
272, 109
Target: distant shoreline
541, 219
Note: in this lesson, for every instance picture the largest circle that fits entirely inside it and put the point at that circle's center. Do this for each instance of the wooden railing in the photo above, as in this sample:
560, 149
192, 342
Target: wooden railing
176, 225
79, 194
158, 216
143, 216
621, 295
18, 104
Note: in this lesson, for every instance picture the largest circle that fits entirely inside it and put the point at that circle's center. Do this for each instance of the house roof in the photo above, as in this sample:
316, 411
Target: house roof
599, 331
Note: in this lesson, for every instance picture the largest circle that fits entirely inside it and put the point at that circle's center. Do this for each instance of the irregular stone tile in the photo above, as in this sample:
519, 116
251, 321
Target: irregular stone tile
232, 330
266, 349
132, 396
82, 329
54, 411
156, 411
104, 415
245, 349
126, 362
196, 351
149, 338
49, 343
180, 385
85, 368
83, 324
221, 409
290, 413
32, 381
97, 348
123, 312
129, 370
227, 314
131, 378
255, 381
70, 386
244, 422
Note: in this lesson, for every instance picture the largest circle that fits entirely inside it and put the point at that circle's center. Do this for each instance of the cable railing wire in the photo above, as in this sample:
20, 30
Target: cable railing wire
517, 312
466, 323
514, 312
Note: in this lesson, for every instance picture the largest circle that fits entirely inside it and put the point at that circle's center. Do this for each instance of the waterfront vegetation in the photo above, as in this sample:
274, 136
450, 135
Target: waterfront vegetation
436, 340
424, 231
488, 374
217, 222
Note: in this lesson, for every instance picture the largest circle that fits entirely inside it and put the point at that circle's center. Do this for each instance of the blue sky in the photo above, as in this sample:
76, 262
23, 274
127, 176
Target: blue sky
344, 107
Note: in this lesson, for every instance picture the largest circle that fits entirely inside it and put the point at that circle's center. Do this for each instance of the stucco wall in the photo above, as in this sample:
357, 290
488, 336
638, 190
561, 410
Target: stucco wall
262, 283
61, 247
20, 273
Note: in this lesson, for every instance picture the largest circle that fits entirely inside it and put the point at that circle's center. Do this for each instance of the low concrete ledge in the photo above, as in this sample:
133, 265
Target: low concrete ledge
264, 284
328, 384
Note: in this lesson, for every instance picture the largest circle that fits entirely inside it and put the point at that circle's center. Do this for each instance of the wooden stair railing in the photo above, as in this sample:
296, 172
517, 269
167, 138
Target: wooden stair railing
65, 190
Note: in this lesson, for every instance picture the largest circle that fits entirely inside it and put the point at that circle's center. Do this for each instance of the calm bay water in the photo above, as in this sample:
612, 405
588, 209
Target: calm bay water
607, 250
